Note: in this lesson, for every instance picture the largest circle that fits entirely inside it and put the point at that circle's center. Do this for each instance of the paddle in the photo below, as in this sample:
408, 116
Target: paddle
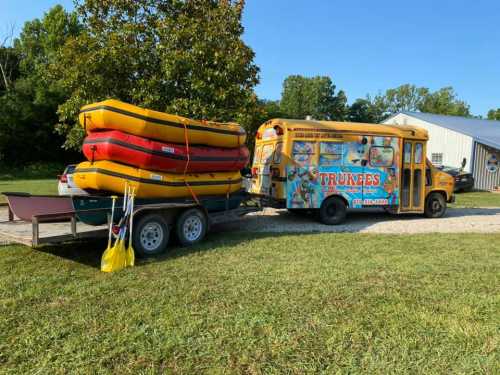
105, 259
130, 255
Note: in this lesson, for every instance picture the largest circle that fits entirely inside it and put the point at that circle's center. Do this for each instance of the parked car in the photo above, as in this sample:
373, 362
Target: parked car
463, 181
66, 185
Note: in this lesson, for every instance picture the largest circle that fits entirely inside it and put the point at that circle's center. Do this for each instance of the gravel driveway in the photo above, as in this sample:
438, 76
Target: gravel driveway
456, 220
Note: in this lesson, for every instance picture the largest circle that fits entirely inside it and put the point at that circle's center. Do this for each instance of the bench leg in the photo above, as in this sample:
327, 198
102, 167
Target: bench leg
35, 228
73, 226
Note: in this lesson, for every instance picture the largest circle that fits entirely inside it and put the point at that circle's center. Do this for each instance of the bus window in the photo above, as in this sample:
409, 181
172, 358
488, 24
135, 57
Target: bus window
277, 153
330, 154
417, 185
303, 152
381, 156
257, 155
407, 153
267, 154
418, 153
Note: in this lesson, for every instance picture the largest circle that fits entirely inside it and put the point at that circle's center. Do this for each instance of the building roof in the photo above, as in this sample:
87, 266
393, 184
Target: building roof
406, 131
483, 131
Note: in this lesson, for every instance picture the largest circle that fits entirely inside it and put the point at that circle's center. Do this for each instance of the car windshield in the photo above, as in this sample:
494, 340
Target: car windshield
450, 170
70, 169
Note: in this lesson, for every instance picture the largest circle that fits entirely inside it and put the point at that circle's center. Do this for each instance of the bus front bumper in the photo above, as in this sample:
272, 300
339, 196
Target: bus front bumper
452, 199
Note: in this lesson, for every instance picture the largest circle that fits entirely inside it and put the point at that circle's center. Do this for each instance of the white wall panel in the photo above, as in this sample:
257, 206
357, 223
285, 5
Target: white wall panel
454, 146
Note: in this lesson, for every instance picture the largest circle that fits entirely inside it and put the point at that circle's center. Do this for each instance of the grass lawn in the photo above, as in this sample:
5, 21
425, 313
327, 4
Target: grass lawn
35, 179
36, 186
477, 199
330, 303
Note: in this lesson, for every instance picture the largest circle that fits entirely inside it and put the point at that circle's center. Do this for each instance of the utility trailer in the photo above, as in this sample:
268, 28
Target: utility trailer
156, 221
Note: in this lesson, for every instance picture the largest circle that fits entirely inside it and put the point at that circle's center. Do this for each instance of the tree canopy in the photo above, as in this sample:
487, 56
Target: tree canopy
303, 96
494, 114
184, 57
408, 98
28, 108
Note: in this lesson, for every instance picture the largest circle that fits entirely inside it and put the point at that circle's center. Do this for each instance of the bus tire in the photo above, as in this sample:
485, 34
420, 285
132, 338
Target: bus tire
191, 226
151, 235
435, 205
333, 211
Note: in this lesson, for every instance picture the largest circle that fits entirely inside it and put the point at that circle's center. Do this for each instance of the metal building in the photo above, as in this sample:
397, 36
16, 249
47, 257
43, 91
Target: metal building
453, 138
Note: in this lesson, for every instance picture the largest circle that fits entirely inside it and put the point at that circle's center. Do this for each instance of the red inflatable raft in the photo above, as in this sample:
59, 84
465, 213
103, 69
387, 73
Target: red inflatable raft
158, 156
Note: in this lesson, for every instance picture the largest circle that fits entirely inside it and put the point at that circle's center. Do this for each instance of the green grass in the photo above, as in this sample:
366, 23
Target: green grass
315, 303
40, 186
477, 199
39, 178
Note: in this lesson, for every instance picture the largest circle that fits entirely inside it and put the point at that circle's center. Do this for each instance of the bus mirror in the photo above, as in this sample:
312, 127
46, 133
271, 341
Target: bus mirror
364, 140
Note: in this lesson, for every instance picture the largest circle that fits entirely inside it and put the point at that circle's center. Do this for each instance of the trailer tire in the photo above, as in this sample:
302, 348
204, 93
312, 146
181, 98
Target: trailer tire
191, 226
333, 211
435, 206
151, 235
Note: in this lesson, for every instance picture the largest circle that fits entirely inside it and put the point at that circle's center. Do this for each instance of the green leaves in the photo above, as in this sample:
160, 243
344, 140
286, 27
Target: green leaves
183, 57
314, 97
408, 98
494, 114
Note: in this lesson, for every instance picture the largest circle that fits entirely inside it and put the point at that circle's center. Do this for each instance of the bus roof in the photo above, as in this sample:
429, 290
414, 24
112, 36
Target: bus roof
404, 131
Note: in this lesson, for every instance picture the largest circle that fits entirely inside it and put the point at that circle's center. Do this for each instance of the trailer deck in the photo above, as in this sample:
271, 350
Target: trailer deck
39, 231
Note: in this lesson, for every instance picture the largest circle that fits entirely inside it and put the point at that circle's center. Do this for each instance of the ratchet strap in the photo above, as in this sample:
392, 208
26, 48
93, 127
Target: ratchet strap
186, 139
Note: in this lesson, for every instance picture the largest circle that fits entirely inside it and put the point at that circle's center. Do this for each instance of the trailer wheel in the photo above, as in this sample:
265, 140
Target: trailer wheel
191, 226
151, 235
435, 206
333, 211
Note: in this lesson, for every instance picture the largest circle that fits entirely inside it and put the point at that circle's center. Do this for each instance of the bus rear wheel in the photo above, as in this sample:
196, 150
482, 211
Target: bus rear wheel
435, 206
333, 211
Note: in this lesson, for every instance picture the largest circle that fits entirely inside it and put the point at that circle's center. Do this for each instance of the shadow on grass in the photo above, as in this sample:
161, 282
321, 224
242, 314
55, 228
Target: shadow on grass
89, 253
227, 235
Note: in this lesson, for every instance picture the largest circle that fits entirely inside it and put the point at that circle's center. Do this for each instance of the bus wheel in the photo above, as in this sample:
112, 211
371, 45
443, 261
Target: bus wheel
151, 235
435, 205
333, 211
191, 227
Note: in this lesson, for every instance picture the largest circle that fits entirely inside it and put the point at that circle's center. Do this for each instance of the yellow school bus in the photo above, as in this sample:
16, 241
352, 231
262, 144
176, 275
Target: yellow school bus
329, 166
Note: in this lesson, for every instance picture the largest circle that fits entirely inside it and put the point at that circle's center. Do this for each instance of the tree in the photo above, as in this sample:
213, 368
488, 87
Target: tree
184, 57
404, 98
494, 114
408, 98
9, 62
303, 96
366, 110
28, 108
445, 102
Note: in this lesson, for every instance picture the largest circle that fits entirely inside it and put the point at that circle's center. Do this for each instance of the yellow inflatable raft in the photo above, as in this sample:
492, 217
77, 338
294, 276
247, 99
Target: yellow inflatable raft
113, 114
112, 177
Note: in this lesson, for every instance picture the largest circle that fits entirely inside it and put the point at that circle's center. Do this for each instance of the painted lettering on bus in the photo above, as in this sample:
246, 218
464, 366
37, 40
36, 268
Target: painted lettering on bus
350, 179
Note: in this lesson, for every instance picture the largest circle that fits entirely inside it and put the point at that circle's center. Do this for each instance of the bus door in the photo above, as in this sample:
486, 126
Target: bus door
264, 172
413, 176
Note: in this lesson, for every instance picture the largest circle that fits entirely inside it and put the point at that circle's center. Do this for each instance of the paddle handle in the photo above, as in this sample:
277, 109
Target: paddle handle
113, 200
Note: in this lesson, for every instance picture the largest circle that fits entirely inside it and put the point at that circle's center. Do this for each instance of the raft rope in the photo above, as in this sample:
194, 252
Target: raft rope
186, 139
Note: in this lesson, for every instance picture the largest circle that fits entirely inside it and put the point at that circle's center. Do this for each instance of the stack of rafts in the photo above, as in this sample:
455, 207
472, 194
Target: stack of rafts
160, 155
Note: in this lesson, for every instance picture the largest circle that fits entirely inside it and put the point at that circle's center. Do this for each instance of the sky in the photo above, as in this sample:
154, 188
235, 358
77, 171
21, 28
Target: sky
365, 46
